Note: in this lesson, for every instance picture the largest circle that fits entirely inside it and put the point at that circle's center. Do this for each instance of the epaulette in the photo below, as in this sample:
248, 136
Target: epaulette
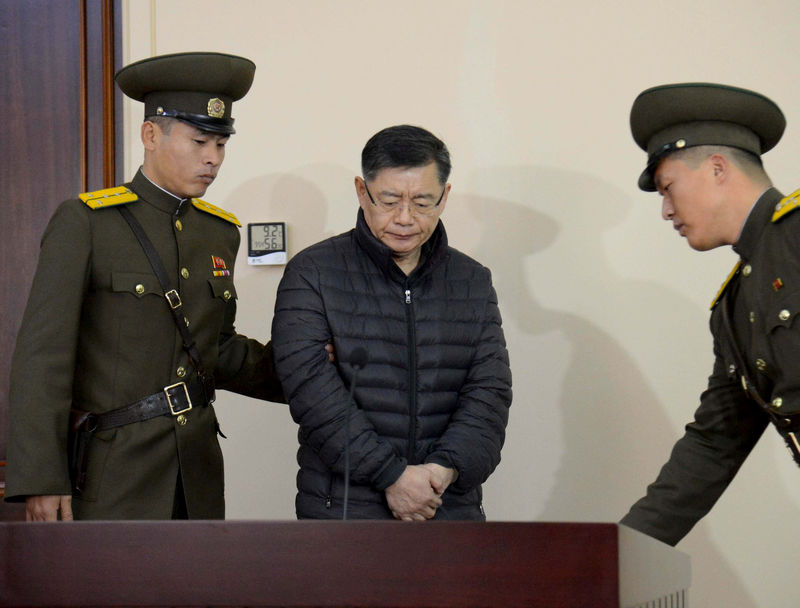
722, 289
787, 205
108, 197
213, 210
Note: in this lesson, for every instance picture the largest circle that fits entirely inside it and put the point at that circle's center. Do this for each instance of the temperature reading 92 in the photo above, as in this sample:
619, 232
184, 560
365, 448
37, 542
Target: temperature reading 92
266, 237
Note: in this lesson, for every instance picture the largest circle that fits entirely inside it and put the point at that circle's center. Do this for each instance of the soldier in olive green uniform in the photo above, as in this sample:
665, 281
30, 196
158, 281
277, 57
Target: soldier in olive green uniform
704, 143
98, 334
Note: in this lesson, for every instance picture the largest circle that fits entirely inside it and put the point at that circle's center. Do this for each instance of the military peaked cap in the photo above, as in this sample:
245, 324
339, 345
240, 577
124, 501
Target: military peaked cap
678, 116
198, 88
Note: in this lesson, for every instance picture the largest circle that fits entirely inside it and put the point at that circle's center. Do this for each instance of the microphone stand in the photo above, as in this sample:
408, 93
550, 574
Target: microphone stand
347, 446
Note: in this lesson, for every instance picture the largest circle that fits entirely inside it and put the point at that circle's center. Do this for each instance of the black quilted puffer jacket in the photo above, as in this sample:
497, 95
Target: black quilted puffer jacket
436, 386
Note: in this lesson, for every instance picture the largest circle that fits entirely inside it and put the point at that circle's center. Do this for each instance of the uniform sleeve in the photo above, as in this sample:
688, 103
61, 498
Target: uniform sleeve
317, 394
43, 364
474, 437
703, 462
244, 365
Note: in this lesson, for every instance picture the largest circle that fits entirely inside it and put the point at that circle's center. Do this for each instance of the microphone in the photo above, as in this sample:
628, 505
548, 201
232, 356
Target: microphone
358, 359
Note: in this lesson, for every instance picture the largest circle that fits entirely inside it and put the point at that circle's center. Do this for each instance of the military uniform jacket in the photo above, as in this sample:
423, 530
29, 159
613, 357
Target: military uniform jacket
97, 335
765, 293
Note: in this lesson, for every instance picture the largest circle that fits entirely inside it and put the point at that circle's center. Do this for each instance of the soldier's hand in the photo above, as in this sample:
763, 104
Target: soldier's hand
46, 508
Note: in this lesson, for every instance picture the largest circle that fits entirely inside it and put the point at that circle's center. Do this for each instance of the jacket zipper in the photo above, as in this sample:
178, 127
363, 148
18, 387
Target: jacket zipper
412, 378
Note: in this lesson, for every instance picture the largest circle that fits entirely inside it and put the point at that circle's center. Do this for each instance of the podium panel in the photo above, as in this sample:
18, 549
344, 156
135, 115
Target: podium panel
354, 563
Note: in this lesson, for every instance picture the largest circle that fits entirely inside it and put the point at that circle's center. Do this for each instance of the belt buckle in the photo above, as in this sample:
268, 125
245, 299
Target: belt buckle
174, 300
178, 386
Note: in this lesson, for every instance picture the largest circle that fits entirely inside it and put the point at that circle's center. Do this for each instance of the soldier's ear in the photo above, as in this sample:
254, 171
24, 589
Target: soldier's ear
721, 166
149, 134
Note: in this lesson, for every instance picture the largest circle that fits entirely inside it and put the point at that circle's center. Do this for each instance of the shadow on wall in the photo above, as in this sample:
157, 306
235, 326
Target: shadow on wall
313, 211
316, 201
585, 427
259, 434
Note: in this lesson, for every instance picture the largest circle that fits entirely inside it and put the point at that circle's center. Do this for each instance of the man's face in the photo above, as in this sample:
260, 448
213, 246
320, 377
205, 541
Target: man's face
186, 160
405, 213
691, 201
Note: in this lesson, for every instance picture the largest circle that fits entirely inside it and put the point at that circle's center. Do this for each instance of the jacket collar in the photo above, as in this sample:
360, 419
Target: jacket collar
157, 197
434, 250
759, 218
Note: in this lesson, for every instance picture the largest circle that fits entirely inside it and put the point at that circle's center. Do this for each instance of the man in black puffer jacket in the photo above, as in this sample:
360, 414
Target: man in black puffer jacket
431, 404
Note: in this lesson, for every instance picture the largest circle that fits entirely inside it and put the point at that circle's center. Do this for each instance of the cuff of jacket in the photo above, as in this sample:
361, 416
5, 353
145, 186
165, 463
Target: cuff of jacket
442, 460
389, 473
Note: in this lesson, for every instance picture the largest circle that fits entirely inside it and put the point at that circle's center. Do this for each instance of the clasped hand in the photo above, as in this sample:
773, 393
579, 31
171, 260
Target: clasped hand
416, 495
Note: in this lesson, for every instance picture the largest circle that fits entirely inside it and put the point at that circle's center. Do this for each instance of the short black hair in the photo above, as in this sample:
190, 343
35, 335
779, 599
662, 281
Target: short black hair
747, 162
404, 146
164, 122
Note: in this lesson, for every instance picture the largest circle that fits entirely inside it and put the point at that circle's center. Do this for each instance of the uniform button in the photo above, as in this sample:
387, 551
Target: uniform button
185, 320
185, 273
784, 315
181, 420
139, 289
752, 317
747, 270
761, 365
181, 371
226, 295
777, 402
178, 225
731, 370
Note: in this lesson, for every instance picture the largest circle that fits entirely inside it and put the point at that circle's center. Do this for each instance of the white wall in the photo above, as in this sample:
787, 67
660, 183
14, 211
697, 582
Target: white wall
605, 307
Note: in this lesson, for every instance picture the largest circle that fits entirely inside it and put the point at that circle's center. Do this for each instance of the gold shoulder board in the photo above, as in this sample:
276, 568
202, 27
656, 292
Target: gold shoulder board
108, 197
787, 205
213, 210
722, 289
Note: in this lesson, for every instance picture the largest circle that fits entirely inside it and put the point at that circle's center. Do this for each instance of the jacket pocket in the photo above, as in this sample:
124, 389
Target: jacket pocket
783, 312
139, 284
222, 288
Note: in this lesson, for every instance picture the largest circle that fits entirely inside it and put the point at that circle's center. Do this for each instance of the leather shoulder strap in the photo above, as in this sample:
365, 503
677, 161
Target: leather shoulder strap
171, 294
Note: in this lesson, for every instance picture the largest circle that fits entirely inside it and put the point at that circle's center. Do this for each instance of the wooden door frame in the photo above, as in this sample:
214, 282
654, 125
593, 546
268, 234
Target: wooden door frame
95, 164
